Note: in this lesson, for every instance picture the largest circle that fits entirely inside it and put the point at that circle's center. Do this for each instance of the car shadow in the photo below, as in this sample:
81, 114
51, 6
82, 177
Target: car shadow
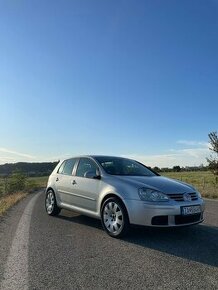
197, 243
79, 219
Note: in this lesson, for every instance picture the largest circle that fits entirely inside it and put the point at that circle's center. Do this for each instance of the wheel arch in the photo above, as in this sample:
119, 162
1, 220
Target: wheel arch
49, 188
108, 195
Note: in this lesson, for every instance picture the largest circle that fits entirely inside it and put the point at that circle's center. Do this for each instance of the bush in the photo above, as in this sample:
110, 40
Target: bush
31, 186
16, 182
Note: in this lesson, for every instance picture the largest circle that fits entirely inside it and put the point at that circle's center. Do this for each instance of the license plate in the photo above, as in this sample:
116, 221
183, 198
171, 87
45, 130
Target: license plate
188, 210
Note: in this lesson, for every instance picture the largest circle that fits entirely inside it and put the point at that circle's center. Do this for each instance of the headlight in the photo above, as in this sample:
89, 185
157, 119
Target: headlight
195, 190
148, 194
198, 194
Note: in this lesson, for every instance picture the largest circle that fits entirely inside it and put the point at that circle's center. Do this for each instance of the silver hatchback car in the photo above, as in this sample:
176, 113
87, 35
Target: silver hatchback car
121, 192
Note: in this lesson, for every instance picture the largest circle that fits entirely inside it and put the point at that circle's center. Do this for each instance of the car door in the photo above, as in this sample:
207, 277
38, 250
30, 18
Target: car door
85, 189
64, 179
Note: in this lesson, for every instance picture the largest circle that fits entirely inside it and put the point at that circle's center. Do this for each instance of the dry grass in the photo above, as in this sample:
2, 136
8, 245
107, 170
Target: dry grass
204, 181
8, 201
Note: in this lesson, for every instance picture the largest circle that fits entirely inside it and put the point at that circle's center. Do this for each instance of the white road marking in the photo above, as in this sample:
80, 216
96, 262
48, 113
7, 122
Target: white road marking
16, 268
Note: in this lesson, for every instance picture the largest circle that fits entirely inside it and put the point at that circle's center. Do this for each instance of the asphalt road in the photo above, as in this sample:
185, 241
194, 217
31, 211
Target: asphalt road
73, 252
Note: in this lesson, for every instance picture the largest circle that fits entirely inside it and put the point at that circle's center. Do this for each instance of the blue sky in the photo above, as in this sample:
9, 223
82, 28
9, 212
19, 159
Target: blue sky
132, 78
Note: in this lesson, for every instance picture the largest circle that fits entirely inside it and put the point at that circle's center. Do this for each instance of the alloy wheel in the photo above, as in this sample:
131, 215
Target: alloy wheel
50, 202
113, 218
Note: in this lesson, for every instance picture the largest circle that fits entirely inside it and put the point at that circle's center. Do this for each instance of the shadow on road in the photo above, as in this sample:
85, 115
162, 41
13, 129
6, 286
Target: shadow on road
79, 219
196, 243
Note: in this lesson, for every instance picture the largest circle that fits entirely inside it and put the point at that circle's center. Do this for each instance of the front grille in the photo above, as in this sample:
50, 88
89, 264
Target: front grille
180, 196
180, 219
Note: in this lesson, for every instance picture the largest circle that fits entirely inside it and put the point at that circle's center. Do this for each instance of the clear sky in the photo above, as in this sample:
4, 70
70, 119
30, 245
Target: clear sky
132, 78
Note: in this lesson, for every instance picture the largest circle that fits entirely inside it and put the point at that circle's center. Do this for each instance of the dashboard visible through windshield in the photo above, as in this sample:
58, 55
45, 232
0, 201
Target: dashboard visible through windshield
123, 166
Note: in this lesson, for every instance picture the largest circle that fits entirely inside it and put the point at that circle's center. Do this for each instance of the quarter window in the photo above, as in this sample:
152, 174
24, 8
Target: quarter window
68, 166
61, 168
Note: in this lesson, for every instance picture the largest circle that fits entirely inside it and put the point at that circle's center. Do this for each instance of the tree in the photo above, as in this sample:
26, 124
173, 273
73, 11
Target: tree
156, 169
213, 160
176, 168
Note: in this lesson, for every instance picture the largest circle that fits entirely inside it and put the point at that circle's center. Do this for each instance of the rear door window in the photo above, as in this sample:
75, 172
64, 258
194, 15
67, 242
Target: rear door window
67, 166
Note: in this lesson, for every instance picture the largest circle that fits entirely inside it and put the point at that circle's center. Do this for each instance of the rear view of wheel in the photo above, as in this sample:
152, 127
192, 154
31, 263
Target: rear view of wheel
114, 217
51, 204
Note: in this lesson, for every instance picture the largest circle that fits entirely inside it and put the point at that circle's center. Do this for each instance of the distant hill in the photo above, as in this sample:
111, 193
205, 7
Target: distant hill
31, 169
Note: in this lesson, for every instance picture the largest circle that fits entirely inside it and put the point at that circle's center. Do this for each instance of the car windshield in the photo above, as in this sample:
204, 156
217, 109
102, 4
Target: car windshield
122, 166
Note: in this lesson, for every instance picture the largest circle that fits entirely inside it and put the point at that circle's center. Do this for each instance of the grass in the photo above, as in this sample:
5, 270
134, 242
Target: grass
204, 181
8, 200
32, 183
38, 181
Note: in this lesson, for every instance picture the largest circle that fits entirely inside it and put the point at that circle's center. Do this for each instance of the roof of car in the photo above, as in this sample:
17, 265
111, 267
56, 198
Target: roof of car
93, 156
106, 156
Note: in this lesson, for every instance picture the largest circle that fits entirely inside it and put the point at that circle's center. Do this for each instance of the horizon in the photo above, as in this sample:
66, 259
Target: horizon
57, 161
137, 80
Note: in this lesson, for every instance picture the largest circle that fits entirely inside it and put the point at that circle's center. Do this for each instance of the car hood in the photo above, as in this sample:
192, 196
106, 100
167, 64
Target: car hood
159, 183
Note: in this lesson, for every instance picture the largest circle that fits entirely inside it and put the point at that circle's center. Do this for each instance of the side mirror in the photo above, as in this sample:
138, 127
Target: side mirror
92, 174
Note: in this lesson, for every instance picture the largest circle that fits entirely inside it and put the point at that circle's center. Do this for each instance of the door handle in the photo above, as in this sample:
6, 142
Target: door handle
57, 179
74, 182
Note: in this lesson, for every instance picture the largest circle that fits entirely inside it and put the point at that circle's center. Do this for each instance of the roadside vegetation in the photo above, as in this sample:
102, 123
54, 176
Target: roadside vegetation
213, 160
205, 181
16, 186
204, 178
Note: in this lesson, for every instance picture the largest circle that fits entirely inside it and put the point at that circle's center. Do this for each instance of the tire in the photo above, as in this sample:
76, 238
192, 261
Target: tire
114, 218
51, 204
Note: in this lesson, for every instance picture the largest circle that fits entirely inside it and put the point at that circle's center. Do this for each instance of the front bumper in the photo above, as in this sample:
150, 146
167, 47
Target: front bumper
167, 214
